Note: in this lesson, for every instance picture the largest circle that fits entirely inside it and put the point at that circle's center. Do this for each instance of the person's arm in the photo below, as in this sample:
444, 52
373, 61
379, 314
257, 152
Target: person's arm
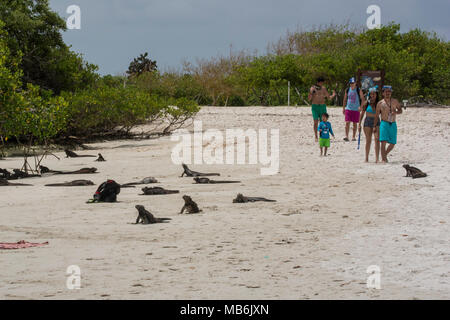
361, 96
344, 103
328, 95
377, 116
311, 94
331, 131
361, 116
398, 108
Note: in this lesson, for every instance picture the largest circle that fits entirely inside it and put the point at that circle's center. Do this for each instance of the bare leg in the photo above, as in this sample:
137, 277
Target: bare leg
354, 130
377, 146
326, 149
316, 125
383, 151
321, 151
389, 149
368, 134
347, 129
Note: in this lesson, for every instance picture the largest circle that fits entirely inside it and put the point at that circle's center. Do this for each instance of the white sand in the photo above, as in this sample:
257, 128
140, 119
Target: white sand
301, 247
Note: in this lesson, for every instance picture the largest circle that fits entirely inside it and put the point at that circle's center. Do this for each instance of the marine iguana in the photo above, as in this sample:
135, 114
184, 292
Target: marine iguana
4, 183
190, 173
100, 158
19, 174
199, 180
146, 180
145, 217
71, 154
157, 191
44, 169
241, 199
414, 172
189, 205
5, 174
80, 171
74, 183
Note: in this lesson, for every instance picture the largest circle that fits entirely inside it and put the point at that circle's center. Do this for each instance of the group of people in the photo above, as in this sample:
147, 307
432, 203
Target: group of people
355, 107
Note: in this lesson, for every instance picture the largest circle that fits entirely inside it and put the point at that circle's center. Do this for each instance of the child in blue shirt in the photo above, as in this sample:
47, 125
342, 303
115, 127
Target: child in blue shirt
324, 131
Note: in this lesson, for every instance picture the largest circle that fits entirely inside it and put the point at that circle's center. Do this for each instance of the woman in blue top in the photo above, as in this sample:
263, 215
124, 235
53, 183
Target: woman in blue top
369, 108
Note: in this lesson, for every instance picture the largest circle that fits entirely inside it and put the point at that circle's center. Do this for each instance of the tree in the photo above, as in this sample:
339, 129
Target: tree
34, 35
141, 65
29, 115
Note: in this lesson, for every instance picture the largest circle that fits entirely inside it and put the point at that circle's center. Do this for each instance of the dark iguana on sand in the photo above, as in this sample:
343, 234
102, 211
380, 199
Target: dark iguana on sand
44, 169
146, 180
4, 183
145, 217
189, 205
189, 173
100, 158
157, 190
5, 174
18, 174
74, 183
71, 154
414, 172
209, 181
241, 199
80, 171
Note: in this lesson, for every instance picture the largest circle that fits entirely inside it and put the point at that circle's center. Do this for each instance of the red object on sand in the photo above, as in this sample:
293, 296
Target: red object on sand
20, 245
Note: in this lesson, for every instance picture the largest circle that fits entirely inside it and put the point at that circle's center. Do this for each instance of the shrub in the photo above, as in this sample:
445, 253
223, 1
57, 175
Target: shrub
116, 110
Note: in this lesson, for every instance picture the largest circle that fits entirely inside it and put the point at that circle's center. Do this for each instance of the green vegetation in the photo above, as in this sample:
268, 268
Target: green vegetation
48, 92
417, 63
34, 33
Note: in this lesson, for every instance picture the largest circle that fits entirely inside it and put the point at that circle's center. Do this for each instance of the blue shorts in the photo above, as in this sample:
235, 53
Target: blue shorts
388, 132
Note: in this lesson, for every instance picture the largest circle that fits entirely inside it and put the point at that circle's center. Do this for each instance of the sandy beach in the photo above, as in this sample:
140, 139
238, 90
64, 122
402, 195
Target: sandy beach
334, 217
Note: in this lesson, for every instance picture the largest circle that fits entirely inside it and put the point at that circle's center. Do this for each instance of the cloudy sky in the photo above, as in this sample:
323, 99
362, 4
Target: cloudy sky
113, 32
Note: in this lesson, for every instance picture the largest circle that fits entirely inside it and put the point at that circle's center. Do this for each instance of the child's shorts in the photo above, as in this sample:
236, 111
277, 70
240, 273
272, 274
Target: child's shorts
324, 142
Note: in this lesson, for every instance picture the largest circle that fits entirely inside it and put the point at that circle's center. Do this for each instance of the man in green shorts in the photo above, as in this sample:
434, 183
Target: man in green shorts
317, 95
